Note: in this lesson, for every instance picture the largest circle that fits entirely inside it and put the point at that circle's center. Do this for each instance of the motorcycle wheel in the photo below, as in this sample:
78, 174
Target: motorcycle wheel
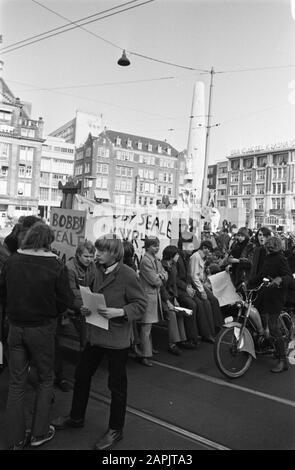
286, 325
231, 362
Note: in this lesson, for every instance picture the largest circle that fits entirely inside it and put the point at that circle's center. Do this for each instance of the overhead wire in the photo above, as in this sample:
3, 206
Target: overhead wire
99, 101
95, 35
75, 26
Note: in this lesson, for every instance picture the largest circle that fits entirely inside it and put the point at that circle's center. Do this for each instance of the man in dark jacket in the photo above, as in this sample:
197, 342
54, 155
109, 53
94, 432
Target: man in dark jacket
34, 290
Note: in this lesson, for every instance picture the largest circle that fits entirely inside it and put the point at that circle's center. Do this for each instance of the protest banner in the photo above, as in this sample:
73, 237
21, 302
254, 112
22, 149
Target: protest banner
135, 224
69, 230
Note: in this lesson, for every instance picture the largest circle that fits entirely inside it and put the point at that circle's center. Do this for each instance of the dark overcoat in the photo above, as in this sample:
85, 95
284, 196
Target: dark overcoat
272, 299
121, 289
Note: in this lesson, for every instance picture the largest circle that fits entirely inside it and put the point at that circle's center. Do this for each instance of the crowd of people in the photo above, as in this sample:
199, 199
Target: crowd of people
37, 292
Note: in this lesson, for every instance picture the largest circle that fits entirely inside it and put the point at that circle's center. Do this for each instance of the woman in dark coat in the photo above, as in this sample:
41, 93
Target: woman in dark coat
240, 257
259, 253
271, 299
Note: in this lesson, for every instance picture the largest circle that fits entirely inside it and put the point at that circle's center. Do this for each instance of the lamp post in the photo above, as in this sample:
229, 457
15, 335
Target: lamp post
208, 127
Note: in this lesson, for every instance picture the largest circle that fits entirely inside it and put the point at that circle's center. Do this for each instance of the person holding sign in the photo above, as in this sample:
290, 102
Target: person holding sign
81, 272
125, 302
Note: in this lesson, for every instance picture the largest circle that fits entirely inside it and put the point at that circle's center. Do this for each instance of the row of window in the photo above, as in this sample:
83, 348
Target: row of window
145, 200
5, 115
44, 195
123, 185
139, 146
58, 149
261, 161
123, 199
57, 165
276, 203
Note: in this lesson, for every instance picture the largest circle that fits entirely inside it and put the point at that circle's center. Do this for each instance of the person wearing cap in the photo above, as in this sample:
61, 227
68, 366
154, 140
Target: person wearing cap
239, 260
272, 298
197, 274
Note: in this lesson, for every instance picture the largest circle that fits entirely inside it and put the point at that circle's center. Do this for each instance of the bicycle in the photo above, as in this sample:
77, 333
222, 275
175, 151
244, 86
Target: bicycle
239, 341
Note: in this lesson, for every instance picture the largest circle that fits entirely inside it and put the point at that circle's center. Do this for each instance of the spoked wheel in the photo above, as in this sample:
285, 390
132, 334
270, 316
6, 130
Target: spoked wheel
286, 325
229, 360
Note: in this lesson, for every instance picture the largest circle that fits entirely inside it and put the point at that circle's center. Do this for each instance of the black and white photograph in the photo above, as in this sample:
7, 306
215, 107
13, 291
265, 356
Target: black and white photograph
147, 228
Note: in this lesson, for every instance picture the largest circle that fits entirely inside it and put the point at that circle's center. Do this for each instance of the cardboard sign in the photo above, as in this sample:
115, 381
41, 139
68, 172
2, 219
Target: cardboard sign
135, 225
69, 230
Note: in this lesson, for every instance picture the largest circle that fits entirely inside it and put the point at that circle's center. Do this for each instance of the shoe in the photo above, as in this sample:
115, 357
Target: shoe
145, 362
63, 385
173, 349
64, 422
281, 366
22, 444
209, 339
38, 441
109, 439
187, 344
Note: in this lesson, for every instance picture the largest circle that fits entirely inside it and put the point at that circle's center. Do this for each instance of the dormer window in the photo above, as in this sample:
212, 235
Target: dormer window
139, 145
150, 147
118, 141
159, 149
129, 143
169, 151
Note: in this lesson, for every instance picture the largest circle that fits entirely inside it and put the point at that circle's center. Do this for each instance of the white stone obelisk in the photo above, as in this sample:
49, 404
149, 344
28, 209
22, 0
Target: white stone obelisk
196, 141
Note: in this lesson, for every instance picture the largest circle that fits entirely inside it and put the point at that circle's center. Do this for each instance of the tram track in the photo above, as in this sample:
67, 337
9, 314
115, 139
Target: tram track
224, 383
137, 408
196, 438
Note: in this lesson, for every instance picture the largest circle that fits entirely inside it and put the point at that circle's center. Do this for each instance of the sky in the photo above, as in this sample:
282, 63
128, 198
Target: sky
77, 70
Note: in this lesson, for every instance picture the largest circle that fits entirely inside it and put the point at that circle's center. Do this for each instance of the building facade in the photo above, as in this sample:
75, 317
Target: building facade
21, 141
57, 164
127, 169
77, 130
261, 181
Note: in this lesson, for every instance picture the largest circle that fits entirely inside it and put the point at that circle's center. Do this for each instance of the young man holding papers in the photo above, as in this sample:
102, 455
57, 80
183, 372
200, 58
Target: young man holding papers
125, 302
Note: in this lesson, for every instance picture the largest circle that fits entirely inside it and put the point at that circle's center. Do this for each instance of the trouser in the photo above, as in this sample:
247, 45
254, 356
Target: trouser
190, 322
272, 321
176, 329
90, 359
26, 344
217, 315
146, 339
80, 326
205, 318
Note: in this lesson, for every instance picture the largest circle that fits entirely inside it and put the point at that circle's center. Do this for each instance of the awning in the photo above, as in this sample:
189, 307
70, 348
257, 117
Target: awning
101, 194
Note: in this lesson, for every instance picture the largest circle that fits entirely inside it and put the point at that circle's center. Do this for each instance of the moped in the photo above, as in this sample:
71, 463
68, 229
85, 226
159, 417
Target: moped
242, 338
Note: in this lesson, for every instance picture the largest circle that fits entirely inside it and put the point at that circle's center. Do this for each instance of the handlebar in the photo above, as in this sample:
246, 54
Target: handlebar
249, 292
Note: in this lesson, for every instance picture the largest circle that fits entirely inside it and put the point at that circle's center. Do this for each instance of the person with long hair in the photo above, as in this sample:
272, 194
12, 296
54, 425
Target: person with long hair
259, 253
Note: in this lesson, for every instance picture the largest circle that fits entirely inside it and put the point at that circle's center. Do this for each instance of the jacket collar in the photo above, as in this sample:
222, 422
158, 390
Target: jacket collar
46, 254
108, 275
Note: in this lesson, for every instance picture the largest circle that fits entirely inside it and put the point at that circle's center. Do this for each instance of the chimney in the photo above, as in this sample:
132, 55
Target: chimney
40, 128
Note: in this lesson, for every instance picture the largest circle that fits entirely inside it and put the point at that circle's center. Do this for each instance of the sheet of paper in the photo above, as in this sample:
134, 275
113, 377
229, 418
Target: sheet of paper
93, 301
223, 288
186, 310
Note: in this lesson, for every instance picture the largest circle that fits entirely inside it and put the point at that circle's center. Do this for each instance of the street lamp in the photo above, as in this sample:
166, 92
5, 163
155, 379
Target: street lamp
123, 61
